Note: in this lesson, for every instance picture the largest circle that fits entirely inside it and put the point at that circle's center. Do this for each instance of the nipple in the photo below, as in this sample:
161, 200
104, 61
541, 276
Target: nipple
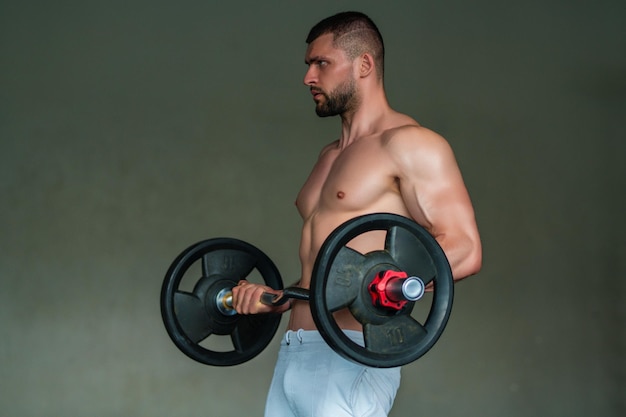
340, 194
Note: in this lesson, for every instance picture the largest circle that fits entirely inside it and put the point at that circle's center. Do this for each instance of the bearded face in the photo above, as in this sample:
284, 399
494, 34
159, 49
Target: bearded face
339, 101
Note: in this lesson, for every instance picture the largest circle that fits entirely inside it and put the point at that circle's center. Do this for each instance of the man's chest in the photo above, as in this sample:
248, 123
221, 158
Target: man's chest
351, 180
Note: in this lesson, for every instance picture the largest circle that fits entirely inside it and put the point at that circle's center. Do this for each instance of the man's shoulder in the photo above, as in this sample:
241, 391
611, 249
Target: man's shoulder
412, 134
415, 145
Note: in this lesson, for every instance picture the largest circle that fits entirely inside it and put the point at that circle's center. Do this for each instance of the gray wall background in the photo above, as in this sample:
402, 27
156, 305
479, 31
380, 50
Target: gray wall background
129, 130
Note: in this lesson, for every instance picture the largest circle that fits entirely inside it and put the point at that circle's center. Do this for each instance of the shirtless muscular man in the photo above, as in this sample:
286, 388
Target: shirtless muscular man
383, 161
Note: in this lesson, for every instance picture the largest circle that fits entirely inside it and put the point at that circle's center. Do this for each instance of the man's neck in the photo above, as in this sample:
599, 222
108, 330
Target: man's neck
368, 119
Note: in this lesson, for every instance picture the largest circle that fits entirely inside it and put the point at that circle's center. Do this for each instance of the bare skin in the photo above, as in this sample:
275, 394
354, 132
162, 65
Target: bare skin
384, 161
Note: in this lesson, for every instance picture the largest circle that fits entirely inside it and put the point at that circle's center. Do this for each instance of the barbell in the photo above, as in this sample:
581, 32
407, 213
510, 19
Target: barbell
384, 290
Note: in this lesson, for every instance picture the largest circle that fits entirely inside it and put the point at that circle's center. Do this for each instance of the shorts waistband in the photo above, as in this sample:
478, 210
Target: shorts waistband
302, 336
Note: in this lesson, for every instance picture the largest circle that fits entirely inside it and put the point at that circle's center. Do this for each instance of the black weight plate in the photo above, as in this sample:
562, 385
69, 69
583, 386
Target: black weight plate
189, 304
341, 276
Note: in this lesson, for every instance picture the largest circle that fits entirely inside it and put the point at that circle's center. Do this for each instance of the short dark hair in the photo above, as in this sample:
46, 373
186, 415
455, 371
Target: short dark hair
355, 33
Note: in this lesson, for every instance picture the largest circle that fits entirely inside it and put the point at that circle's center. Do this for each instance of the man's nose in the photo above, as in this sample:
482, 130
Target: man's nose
310, 77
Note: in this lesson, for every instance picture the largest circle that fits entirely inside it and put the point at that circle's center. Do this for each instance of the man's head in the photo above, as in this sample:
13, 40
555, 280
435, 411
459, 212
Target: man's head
355, 34
343, 51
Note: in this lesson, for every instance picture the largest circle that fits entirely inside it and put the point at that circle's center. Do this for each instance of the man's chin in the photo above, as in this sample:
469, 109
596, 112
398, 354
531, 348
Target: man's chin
322, 112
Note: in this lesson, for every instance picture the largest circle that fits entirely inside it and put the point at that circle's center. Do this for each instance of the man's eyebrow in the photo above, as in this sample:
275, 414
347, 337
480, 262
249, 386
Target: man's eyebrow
315, 59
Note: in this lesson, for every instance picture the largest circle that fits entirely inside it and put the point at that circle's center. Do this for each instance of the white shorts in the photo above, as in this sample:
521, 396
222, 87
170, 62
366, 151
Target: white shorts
311, 380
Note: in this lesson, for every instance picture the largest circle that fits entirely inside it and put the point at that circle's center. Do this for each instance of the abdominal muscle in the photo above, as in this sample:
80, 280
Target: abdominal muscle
314, 232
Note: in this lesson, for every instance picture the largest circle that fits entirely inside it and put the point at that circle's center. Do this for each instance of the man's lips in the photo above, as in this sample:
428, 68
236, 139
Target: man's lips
316, 93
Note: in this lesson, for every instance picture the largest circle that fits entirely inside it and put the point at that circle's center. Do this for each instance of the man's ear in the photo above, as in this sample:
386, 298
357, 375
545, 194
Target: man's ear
366, 65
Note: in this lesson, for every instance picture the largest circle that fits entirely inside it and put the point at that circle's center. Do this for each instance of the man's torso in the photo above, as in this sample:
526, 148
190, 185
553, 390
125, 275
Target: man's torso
360, 179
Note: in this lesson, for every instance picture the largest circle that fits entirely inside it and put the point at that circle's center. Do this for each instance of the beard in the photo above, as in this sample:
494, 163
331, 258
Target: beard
339, 101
